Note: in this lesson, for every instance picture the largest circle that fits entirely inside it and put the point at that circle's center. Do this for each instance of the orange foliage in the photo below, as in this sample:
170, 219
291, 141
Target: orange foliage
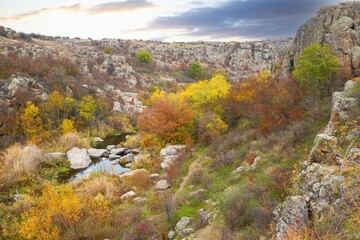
269, 105
167, 121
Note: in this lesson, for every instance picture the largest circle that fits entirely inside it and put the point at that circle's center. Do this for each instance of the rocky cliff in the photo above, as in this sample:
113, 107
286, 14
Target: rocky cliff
338, 26
322, 183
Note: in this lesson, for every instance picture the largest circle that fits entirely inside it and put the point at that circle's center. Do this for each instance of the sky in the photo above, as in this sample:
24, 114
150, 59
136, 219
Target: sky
162, 20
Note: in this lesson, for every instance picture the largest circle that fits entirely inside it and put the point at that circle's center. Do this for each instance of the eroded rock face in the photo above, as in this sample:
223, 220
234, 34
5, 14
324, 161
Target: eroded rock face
292, 215
324, 150
79, 158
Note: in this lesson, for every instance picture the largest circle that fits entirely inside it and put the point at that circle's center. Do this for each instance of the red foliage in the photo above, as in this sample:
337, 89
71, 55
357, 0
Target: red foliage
267, 105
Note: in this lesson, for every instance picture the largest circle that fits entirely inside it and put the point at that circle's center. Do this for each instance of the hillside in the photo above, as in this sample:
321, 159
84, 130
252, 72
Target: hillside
132, 139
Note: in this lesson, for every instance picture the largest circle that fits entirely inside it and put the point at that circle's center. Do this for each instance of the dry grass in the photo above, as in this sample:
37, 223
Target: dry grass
17, 163
68, 141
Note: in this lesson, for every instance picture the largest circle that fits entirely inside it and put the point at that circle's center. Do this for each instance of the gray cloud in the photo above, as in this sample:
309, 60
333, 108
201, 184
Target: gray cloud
129, 5
247, 19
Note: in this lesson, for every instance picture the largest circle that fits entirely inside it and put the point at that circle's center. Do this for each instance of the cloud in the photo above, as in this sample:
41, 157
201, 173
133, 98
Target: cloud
73, 8
125, 6
243, 18
129, 5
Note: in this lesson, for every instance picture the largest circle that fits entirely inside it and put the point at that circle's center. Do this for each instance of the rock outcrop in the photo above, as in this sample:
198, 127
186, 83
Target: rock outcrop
321, 182
339, 27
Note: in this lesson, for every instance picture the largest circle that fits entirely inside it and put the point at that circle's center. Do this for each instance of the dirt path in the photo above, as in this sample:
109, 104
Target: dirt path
185, 179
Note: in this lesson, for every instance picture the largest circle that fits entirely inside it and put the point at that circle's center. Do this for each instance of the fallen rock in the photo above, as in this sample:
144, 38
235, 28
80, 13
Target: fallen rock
182, 224
170, 154
79, 158
110, 147
171, 235
139, 199
118, 151
129, 158
256, 161
131, 173
113, 157
154, 176
185, 232
162, 185
204, 217
127, 195
96, 153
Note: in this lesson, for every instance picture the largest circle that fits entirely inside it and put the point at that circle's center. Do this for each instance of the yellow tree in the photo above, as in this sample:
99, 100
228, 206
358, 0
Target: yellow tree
30, 122
55, 107
87, 109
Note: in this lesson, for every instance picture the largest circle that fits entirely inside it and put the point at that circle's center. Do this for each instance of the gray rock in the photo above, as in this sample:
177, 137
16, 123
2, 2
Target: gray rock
18, 82
96, 153
79, 158
205, 217
113, 157
118, 151
110, 147
128, 195
237, 170
171, 235
354, 156
355, 57
129, 158
182, 224
256, 161
292, 215
170, 154
324, 150
186, 232
162, 185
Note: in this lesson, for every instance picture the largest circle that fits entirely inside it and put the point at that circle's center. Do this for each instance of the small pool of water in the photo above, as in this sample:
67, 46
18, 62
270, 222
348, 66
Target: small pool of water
98, 165
112, 140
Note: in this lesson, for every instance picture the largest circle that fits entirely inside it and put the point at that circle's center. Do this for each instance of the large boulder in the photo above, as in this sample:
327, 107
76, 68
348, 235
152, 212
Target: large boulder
79, 158
324, 150
96, 153
118, 151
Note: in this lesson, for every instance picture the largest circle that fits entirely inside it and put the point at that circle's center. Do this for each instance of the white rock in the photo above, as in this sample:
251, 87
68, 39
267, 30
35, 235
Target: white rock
79, 158
127, 195
97, 152
162, 185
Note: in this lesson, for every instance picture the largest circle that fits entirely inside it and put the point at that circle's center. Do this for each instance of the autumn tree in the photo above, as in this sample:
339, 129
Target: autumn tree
167, 121
55, 107
87, 109
206, 91
30, 122
315, 67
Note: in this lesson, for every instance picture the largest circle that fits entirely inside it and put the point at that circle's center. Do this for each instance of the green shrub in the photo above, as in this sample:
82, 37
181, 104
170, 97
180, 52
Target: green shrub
144, 56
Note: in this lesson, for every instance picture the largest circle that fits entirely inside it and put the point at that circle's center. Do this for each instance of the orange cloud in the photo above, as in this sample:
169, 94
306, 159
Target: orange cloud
125, 6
